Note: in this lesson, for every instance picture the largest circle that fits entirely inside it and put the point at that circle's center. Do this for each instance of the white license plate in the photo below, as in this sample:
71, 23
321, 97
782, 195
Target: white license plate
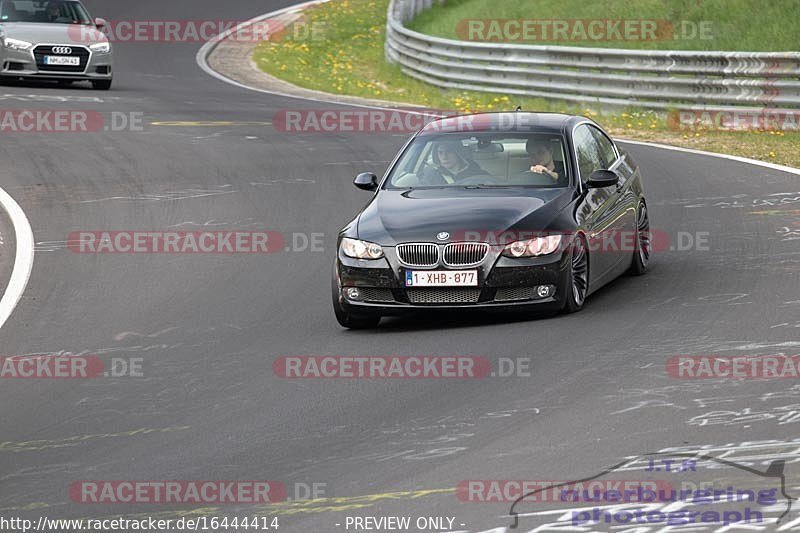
62, 60
441, 278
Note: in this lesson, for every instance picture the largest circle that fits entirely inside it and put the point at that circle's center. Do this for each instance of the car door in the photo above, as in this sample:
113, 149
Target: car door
623, 210
598, 212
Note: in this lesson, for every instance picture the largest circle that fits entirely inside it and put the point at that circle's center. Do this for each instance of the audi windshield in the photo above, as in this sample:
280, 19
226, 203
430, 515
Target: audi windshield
51, 12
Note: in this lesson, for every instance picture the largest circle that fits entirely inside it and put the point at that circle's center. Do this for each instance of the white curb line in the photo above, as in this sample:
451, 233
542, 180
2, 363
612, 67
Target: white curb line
23, 259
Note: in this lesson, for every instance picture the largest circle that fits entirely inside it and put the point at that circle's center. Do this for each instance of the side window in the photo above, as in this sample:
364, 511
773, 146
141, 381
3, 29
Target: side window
607, 152
588, 152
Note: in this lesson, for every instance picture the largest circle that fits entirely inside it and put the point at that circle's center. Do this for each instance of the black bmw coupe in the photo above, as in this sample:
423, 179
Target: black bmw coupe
493, 211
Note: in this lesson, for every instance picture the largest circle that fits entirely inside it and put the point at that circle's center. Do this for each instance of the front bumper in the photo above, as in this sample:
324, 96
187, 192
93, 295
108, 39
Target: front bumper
504, 284
24, 64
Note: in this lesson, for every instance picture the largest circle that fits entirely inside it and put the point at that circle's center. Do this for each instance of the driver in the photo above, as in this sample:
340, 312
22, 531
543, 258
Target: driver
450, 165
53, 10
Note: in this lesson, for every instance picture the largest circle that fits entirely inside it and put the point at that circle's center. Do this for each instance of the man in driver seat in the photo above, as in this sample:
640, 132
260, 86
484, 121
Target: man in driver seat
53, 11
450, 165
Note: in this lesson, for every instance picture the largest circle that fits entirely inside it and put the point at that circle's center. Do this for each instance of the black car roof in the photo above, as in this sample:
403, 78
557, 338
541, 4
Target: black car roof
518, 121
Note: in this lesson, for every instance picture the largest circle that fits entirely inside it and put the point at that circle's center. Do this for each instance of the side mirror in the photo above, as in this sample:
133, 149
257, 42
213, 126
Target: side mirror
101, 24
366, 181
602, 178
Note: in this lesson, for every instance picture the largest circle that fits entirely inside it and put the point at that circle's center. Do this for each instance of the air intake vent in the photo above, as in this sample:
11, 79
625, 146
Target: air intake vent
420, 255
375, 294
461, 254
506, 294
444, 295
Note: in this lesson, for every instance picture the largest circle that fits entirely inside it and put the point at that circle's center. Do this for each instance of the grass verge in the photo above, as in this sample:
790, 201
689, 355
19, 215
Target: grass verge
738, 25
345, 56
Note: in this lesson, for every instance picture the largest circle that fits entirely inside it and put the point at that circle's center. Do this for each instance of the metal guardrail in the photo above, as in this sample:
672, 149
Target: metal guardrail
641, 78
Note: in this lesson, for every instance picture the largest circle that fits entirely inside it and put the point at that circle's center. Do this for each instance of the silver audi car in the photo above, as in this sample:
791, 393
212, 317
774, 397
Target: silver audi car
54, 40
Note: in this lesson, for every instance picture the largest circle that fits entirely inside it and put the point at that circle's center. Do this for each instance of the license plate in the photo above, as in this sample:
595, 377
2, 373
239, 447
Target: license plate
62, 60
441, 278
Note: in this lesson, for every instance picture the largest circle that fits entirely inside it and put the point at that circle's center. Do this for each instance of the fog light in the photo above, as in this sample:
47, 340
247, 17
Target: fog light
353, 293
543, 291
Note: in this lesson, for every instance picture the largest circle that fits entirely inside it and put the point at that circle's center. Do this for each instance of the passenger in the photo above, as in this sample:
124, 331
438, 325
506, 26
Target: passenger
450, 165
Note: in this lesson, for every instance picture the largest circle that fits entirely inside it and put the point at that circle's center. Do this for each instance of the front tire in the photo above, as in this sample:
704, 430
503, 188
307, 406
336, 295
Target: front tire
578, 277
101, 85
643, 245
350, 320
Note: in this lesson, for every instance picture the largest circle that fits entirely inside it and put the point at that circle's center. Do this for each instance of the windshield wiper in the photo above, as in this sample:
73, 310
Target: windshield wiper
487, 186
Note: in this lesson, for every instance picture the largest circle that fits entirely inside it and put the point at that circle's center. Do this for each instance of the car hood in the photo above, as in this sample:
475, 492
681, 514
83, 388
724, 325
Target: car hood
42, 33
420, 215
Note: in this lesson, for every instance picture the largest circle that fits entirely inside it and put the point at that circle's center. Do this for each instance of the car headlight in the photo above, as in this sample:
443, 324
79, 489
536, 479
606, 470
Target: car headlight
361, 249
100, 48
533, 247
16, 44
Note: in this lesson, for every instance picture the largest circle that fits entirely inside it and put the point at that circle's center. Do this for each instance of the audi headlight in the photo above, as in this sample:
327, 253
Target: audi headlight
533, 247
361, 249
100, 48
16, 44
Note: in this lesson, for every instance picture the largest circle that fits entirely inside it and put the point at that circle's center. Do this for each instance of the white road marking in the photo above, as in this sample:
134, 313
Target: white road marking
737, 158
23, 259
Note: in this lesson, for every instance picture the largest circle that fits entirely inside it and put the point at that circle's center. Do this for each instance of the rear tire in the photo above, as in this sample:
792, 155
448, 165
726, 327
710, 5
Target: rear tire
642, 246
351, 320
101, 85
578, 277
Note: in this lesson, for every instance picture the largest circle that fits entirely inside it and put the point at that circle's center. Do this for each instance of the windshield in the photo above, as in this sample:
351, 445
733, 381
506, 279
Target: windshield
48, 12
482, 160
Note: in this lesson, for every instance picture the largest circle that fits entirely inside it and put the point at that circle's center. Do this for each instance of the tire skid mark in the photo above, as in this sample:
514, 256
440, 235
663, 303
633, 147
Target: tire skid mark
75, 440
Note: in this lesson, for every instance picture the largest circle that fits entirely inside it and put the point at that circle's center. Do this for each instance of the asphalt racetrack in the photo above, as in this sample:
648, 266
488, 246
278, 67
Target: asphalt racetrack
207, 328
